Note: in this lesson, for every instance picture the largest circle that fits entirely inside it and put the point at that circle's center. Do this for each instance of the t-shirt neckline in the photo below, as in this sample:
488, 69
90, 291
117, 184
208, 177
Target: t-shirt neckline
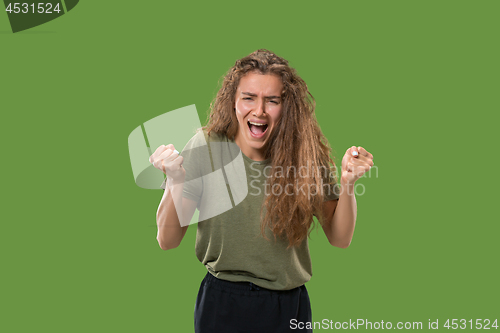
266, 161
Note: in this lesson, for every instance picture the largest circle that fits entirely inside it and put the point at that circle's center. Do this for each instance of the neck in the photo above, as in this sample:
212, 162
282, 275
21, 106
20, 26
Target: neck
251, 153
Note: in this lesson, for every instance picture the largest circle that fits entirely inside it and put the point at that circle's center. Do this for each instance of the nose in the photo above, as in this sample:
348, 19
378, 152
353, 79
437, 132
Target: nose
259, 109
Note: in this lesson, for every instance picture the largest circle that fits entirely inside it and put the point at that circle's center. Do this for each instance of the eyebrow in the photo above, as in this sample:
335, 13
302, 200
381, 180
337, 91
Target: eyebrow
254, 95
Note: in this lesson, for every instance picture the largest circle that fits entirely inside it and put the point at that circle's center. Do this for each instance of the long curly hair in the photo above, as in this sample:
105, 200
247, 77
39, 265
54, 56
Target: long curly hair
295, 142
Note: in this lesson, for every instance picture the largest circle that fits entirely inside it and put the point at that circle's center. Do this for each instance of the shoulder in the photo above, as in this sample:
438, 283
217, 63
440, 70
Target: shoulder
201, 139
203, 136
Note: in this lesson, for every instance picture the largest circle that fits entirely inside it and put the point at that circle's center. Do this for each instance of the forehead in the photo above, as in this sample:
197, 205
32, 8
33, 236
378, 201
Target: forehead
267, 84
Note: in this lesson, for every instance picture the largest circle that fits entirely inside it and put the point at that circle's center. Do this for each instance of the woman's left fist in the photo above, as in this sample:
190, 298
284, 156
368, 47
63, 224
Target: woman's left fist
355, 163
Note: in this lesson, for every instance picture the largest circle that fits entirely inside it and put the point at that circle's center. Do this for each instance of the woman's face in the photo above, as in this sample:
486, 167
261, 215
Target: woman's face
258, 109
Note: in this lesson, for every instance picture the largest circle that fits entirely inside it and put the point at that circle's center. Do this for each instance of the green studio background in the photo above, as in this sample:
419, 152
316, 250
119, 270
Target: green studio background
414, 82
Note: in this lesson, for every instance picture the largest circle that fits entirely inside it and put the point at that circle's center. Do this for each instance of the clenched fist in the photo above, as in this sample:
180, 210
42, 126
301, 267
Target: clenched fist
355, 163
168, 160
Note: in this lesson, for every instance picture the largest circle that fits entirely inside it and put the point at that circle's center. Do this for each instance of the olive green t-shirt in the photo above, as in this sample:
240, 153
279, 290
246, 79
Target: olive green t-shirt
229, 189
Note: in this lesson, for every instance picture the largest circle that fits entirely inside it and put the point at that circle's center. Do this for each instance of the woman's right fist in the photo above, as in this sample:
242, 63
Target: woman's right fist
169, 162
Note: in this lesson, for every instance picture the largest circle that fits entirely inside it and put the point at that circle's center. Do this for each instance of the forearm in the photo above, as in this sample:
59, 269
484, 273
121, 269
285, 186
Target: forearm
170, 232
344, 218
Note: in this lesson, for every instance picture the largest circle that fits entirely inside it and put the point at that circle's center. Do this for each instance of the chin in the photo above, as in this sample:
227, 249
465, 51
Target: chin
258, 145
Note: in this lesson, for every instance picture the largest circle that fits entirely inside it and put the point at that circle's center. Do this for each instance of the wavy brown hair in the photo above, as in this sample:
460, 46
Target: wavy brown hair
295, 142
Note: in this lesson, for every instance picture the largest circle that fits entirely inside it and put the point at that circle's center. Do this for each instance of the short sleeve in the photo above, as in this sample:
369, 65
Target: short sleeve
195, 155
331, 188
332, 191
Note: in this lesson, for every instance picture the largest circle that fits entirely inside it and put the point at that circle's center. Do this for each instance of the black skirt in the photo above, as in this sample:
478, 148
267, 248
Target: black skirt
242, 307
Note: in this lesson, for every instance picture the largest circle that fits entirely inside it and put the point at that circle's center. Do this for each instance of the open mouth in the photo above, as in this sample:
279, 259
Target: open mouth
257, 130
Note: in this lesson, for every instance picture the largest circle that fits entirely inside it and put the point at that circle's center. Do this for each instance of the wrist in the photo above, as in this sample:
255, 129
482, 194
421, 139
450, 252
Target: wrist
347, 186
347, 183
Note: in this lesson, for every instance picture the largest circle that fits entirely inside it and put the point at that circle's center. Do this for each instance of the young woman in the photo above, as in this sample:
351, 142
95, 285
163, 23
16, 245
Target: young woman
255, 244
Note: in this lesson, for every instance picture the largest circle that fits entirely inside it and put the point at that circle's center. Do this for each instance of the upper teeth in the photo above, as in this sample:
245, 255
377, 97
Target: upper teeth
258, 124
